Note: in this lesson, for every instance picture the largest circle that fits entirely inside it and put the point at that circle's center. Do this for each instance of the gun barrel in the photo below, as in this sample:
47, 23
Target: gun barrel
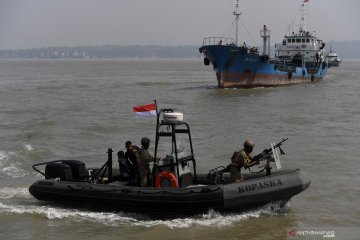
260, 156
279, 143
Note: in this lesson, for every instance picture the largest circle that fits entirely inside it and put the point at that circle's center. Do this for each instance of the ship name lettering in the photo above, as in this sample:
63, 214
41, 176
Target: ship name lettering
250, 60
260, 185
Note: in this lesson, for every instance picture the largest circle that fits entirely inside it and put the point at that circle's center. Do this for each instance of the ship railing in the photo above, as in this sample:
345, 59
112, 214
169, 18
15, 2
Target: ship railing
283, 62
218, 41
284, 68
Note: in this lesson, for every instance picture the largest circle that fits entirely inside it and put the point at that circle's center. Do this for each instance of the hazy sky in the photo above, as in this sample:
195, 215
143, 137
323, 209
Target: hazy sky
44, 23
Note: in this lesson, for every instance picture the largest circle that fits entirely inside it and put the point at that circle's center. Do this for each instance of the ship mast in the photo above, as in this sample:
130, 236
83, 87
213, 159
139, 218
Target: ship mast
236, 13
265, 34
303, 23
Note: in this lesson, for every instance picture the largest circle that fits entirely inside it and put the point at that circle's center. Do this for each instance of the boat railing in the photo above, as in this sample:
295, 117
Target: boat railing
218, 41
35, 167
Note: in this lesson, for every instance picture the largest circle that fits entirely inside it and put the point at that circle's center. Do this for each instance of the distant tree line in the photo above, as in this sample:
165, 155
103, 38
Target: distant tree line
106, 51
345, 49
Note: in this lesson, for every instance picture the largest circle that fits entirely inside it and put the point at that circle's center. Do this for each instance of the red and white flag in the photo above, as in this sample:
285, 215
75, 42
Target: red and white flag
305, 1
145, 110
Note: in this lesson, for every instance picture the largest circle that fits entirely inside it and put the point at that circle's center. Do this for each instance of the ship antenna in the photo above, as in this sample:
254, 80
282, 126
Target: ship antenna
237, 14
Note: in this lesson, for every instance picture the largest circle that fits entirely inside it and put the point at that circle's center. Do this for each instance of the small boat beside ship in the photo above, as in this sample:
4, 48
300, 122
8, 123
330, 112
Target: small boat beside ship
176, 187
299, 58
333, 58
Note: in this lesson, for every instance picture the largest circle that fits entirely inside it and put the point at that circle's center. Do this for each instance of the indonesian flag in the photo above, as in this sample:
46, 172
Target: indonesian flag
145, 110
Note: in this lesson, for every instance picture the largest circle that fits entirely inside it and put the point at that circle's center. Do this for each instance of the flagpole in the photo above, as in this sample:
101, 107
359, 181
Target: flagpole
157, 114
157, 132
156, 107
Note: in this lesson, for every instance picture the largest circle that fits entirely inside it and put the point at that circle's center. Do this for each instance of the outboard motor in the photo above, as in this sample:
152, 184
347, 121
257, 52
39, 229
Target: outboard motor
66, 170
58, 170
78, 169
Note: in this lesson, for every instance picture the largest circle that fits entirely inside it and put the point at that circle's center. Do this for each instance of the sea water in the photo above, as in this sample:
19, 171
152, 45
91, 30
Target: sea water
77, 109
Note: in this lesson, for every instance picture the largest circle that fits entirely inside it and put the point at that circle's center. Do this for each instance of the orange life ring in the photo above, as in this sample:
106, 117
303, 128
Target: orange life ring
169, 176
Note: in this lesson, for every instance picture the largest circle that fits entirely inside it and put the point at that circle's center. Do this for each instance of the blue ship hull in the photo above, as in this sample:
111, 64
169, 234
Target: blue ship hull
238, 67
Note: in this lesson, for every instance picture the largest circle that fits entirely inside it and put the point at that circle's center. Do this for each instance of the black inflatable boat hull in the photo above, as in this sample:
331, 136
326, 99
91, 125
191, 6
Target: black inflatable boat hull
169, 202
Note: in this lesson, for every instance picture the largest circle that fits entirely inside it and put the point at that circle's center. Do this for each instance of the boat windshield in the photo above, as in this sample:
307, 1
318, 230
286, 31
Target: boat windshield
182, 148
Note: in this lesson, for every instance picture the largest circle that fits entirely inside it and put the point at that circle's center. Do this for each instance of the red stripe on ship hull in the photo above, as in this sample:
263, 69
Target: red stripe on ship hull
238, 80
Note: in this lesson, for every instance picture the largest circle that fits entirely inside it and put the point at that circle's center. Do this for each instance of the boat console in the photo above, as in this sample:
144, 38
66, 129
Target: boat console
173, 139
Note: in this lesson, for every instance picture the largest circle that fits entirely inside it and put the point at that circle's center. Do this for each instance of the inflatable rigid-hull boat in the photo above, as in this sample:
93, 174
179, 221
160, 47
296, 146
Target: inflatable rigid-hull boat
257, 190
176, 187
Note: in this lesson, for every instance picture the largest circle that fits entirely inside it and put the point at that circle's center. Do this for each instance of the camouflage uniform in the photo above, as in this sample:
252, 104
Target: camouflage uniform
133, 168
144, 159
238, 161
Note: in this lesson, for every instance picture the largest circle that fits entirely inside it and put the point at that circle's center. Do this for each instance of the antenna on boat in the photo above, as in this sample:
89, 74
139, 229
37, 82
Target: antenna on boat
237, 14
331, 47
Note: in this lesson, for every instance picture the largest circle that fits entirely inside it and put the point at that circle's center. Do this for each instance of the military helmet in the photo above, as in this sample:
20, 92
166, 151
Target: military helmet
249, 143
145, 141
248, 146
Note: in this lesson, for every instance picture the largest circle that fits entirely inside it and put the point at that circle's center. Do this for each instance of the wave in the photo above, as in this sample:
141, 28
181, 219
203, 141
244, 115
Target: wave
8, 193
28, 147
214, 218
210, 219
14, 164
9, 167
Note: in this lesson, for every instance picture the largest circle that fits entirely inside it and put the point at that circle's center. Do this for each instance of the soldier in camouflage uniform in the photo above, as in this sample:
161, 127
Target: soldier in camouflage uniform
241, 159
132, 162
144, 159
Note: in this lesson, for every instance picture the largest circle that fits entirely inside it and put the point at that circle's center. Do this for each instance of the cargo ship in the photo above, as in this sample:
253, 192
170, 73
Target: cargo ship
299, 58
